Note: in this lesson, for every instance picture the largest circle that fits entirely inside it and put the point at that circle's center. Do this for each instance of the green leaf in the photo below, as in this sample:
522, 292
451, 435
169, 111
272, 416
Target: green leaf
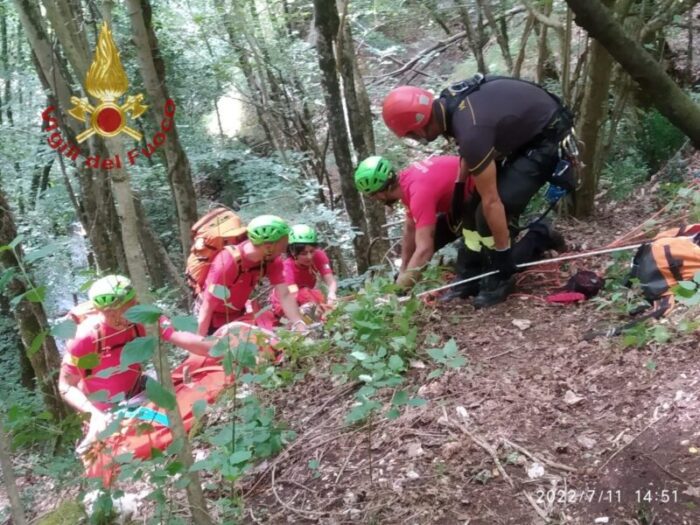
395, 363
220, 292
393, 413
240, 456
314, 464
64, 329
174, 468
36, 343
185, 323
35, 295
651, 365
696, 278
138, 350
35, 255
143, 313
159, 395
416, 402
7, 276
457, 361
17, 299
16, 241
435, 373
175, 447
450, 349
437, 354
661, 334
687, 285
199, 408
400, 398
360, 356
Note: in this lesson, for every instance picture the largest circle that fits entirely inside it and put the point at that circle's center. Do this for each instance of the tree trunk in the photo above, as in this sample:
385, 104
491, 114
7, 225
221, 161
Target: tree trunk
195, 495
475, 43
326, 23
31, 318
501, 37
153, 74
517, 67
54, 79
16, 509
663, 92
593, 111
360, 121
27, 376
7, 96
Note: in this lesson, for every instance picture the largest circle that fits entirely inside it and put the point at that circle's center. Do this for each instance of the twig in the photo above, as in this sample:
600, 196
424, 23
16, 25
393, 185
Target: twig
498, 355
437, 46
546, 461
632, 440
483, 444
345, 464
346, 389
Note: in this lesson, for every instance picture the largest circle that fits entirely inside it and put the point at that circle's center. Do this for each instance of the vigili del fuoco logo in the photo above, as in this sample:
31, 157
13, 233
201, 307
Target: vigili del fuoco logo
106, 81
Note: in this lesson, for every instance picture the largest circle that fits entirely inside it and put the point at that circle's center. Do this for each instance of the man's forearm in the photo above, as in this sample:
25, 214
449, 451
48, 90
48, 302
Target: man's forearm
495, 216
194, 343
290, 307
411, 273
408, 246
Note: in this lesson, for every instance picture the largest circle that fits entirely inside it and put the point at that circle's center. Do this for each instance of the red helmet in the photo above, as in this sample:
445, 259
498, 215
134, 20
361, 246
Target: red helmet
406, 109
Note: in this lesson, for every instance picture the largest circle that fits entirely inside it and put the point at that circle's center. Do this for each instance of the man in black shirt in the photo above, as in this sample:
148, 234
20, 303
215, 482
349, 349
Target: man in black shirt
509, 134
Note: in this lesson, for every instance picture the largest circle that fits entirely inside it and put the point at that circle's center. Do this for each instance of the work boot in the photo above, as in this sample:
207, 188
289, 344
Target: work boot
494, 290
461, 291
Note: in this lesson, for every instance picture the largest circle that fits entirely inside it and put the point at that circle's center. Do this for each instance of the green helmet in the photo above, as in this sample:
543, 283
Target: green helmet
374, 174
111, 292
303, 234
267, 228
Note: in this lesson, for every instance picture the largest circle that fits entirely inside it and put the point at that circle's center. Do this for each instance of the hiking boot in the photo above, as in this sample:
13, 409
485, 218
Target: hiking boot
494, 290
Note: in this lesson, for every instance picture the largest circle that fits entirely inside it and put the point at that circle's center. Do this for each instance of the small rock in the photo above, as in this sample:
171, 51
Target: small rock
693, 450
412, 474
414, 450
586, 442
685, 442
570, 398
602, 519
462, 412
692, 491
523, 324
415, 363
535, 471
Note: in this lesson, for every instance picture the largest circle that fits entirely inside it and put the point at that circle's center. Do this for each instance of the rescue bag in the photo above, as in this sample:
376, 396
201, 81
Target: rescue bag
212, 233
659, 265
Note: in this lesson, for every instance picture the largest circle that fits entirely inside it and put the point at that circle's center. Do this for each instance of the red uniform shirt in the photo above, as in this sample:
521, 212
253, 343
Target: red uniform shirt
305, 276
241, 282
427, 188
97, 347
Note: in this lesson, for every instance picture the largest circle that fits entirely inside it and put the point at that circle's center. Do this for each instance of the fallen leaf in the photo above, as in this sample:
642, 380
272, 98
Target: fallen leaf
535, 471
692, 491
414, 450
523, 324
693, 450
570, 398
586, 442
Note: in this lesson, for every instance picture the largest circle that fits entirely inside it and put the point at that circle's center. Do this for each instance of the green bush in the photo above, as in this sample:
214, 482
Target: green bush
657, 139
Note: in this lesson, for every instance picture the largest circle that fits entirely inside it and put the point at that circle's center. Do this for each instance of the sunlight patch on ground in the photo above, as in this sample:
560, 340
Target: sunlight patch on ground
231, 113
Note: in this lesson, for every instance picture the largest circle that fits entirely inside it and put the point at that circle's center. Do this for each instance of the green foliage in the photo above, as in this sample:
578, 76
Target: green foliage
688, 292
657, 139
447, 357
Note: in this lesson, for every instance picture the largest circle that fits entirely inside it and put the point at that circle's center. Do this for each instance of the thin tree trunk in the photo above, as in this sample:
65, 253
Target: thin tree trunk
593, 111
543, 46
7, 96
153, 74
517, 67
475, 42
664, 93
27, 375
326, 23
8, 474
501, 38
31, 318
566, 59
689, 50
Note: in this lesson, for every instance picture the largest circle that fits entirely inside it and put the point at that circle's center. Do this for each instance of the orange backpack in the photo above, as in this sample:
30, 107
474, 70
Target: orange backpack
672, 256
212, 233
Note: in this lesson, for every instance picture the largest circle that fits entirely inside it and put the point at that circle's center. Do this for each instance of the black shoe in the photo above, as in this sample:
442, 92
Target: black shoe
461, 291
494, 290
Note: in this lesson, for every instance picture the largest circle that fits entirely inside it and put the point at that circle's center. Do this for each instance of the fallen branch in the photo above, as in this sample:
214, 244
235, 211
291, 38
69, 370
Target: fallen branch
435, 47
523, 450
345, 464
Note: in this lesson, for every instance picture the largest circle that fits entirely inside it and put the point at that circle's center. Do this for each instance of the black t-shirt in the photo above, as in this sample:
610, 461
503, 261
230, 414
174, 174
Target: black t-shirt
499, 118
